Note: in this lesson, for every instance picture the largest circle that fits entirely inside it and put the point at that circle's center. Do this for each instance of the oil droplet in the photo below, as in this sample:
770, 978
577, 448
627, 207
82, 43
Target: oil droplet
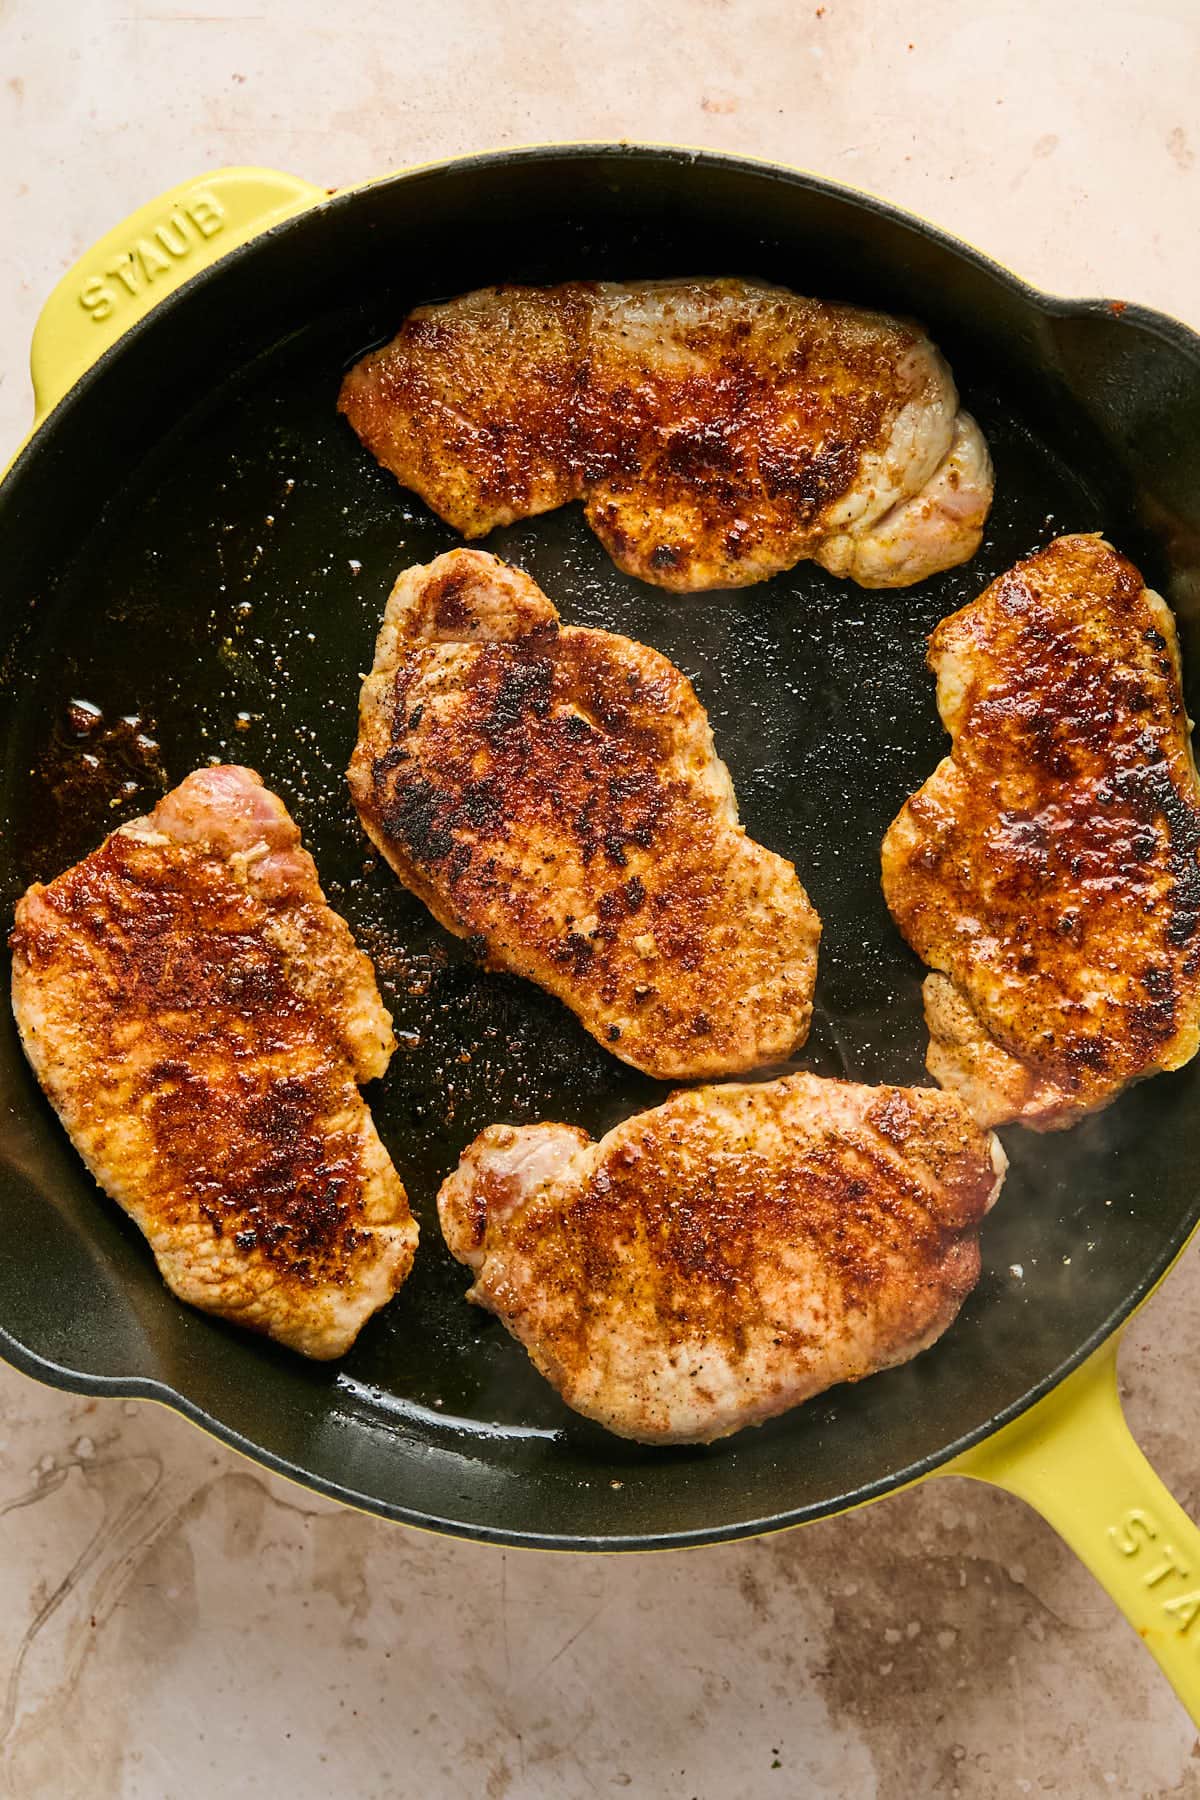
83, 716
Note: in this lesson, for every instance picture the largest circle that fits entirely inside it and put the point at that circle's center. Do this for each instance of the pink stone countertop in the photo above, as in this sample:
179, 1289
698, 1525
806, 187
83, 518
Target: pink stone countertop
174, 1623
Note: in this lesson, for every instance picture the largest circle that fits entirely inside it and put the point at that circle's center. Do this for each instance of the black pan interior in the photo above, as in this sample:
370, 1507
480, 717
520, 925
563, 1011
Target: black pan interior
197, 547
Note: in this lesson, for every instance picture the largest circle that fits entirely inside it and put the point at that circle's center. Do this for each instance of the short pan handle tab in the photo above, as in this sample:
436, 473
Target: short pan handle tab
145, 258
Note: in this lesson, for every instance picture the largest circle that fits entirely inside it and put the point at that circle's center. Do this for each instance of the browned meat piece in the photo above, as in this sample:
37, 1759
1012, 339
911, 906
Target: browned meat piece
554, 794
1047, 870
717, 431
199, 1019
722, 1258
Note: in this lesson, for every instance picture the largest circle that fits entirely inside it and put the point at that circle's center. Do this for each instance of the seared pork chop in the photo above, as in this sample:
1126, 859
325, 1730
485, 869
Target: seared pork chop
553, 794
722, 1258
717, 431
1047, 870
199, 1018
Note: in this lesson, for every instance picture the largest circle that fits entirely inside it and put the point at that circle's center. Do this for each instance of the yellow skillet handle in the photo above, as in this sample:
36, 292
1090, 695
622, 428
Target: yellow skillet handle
147, 257
1073, 1458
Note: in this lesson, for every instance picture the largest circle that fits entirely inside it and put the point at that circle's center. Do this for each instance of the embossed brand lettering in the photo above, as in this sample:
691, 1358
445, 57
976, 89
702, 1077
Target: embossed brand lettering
1171, 1566
1133, 1532
1129, 1532
207, 215
1183, 1609
149, 258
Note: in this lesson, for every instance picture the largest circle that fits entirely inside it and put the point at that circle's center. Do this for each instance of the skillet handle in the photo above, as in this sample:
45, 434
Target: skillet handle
1073, 1458
150, 254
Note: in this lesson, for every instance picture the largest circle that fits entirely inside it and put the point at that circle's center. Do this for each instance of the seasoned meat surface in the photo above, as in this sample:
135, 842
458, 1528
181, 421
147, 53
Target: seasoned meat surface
717, 431
722, 1258
200, 1019
1047, 871
553, 794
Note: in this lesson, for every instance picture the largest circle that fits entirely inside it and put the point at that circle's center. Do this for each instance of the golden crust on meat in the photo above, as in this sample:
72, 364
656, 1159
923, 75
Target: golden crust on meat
200, 1018
1048, 869
718, 431
553, 794
720, 1259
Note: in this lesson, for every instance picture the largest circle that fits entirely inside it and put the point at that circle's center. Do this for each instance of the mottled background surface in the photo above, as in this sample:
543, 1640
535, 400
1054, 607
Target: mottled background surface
174, 1623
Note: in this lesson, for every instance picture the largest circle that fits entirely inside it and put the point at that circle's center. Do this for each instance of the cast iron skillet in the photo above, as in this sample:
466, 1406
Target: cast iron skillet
196, 544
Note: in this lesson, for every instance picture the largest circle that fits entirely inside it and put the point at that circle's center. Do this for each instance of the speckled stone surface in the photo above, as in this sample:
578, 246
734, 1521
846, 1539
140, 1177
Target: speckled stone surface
175, 1623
